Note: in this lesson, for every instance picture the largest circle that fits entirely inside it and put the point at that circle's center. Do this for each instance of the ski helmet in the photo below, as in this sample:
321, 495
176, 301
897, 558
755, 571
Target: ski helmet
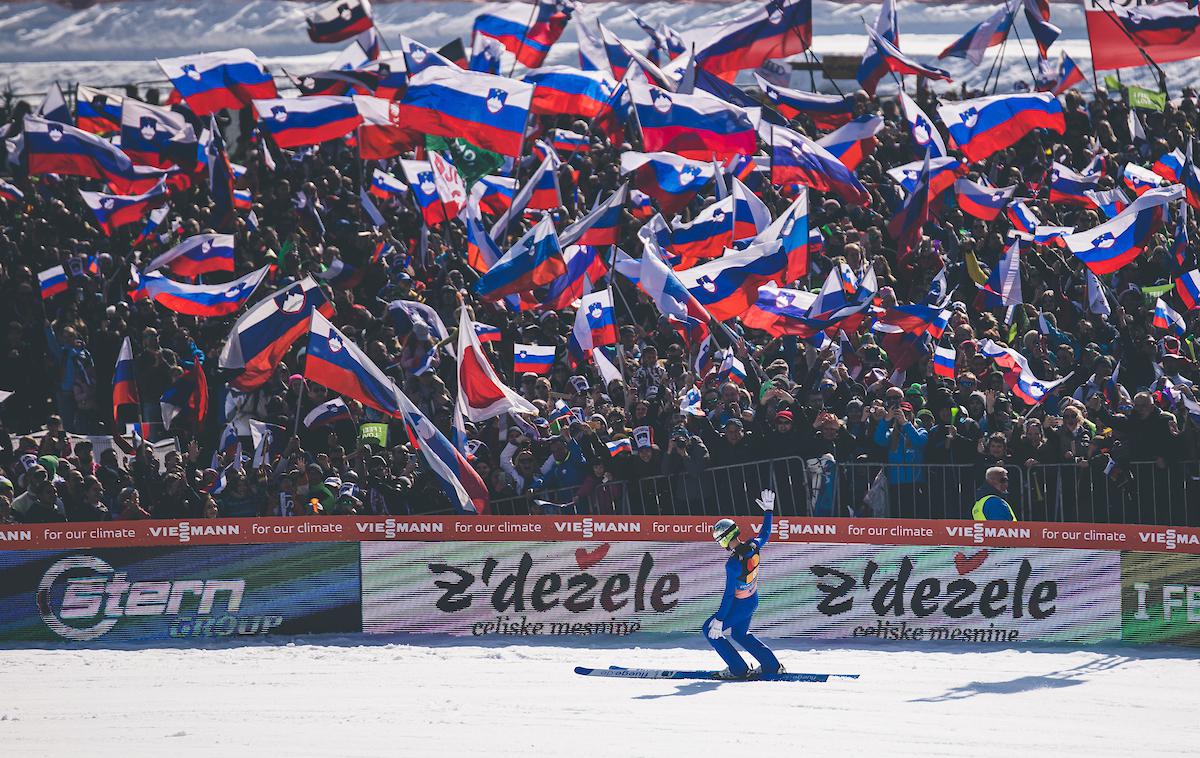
725, 531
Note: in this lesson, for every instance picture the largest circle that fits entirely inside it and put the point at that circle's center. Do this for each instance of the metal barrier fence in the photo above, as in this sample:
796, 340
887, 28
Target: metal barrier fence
1133, 493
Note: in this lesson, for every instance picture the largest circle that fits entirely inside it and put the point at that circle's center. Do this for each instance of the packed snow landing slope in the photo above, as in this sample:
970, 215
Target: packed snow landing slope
444, 699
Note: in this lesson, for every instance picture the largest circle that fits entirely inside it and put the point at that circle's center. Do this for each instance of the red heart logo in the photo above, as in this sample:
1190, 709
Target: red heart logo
588, 558
966, 565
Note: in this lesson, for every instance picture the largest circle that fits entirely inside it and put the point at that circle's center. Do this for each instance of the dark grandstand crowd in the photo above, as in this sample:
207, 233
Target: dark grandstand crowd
797, 402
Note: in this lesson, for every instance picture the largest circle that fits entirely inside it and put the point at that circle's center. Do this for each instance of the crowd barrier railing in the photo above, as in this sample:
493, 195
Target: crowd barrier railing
1142, 492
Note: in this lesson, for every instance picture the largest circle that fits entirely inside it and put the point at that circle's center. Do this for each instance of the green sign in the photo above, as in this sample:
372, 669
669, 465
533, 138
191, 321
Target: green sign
472, 162
1158, 290
1160, 598
376, 434
1145, 99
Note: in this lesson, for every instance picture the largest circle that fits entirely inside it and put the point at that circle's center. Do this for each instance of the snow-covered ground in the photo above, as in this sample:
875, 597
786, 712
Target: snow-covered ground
115, 43
326, 700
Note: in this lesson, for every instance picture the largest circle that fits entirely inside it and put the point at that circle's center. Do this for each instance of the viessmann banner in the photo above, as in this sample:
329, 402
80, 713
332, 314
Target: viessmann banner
156, 594
822, 591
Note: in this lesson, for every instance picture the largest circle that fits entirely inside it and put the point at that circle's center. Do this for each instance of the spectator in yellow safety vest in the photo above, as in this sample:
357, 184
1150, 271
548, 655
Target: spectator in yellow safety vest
990, 504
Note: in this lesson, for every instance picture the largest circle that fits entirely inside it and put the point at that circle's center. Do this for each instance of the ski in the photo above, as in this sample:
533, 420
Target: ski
629, 673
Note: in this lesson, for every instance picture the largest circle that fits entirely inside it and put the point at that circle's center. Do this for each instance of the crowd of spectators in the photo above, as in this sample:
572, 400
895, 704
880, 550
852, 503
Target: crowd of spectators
811, 410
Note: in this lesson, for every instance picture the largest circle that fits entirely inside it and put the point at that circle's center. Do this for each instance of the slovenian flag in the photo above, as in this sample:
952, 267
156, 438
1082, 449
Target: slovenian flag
616, 447
202, 300
188, 395
567, 91
210, 82
985, 125
339, 20
1167, 319
450, 102
694, 126
906, 225
778, 29
853, 142
303, 121
1170, 165
10, 193
125, 391
1188, 287
924, 133
728, 286
327, 413
943, 361
943, 173
780, 311
335, 362
196, 255
595, 323
96, 111
385, 186
795, 159
527, 35
826, 111
535, 260
672, 181
1116, 242
536, 359
982, 202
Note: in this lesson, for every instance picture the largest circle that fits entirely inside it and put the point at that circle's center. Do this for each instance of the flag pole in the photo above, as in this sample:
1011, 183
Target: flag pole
1021, 44
299, 405
520, 47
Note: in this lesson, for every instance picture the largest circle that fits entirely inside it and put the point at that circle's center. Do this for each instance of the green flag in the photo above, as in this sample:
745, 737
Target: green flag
374, 433
472, 162
1113, 83
1145, 99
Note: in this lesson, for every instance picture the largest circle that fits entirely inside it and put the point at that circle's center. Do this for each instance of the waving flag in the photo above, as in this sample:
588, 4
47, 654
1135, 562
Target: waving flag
115, 211
380, 135
154, 136
943, 361
906, 225
210, 82
425, 191
486, 55
302, 121
450, 102
328, 413
982, 126
1065, 77
987, 33
980, 201
693, 126
826, 111
96, 111
1116, 242
54, 148
528, 36
924, 133
1044, 32
583, 267
1167, 319
854, 141
341, 275
196, 255
418, 57
1052, 235
52, 281
779, 312
482, 394
1139, 179
791, 231
536, 359
339, 20
1017, 375
898, 63
482, 252
1188, 287
601, 225
727, 286
187, 396
449, 184
670, 180
203, 300
562, 90
520, 202
1111, 202
1191, 179
335, 362
670, 295
595, 324
1003, 287
705, 236
125, 391
10, 193
795, 159
1180, 251
1165, 24
54, 106
777, 30
1170, 165
567, 141
494, 194
535, 260
385, 186
459, 482
1067, 186
874, 67
544, 195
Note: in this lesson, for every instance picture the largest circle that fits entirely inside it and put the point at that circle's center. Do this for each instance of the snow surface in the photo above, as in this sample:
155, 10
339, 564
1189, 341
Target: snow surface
116, 43
342, 698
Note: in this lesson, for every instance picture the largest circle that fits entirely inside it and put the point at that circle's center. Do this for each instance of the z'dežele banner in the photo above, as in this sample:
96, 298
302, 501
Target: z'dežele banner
806, 590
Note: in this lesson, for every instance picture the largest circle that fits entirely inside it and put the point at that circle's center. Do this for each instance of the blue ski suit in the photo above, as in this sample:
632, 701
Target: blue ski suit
738, 605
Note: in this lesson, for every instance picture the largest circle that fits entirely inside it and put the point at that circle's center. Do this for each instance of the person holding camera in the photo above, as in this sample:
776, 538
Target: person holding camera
905, 443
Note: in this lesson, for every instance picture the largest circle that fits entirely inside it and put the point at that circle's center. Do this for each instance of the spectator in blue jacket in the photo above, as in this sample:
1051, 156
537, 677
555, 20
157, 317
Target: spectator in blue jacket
904, 442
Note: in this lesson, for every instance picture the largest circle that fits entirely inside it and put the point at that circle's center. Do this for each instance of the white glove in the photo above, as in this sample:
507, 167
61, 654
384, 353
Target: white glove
766, 500
716, 630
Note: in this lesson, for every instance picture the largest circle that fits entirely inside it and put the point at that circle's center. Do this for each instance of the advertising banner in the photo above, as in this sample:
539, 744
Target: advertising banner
1160, 598
821, 591
292, 529
156, 594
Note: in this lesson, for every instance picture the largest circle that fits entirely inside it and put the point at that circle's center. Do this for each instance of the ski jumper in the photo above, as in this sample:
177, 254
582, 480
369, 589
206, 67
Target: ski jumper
739, 603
